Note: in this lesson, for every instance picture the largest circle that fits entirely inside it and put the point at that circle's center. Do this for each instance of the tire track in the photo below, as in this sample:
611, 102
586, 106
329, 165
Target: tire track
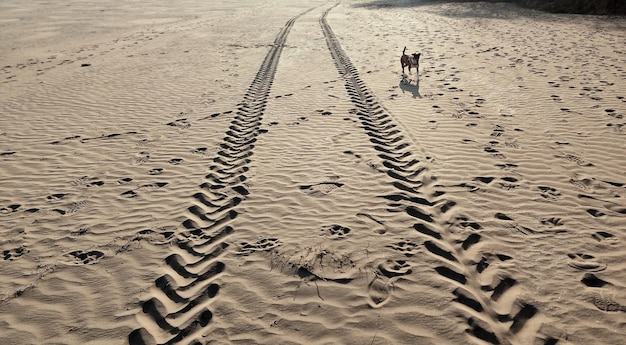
491, 310
178, 311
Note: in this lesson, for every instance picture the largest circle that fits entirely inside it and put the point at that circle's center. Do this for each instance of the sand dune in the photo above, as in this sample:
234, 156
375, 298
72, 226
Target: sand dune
258, 173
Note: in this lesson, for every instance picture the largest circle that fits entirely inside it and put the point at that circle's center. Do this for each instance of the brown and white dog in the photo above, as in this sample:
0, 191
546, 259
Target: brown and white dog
412, 60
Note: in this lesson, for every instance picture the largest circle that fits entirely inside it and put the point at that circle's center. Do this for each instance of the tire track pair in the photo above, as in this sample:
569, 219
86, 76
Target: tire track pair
179, 310
452, 240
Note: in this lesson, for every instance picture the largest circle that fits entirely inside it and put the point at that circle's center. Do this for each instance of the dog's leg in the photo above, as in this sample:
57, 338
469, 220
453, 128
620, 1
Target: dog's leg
417, 65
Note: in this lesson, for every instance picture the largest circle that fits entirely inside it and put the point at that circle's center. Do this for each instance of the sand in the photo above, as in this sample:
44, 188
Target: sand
256, 172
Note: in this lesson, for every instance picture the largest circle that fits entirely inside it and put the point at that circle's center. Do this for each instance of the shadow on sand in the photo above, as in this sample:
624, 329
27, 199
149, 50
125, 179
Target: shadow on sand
469, 9
395, 3
407, 85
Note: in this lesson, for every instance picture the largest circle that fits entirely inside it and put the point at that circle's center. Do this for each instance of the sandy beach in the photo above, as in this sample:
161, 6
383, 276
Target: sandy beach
259, 172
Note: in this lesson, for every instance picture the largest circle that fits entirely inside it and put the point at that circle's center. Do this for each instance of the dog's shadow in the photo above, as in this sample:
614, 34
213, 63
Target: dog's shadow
406, 85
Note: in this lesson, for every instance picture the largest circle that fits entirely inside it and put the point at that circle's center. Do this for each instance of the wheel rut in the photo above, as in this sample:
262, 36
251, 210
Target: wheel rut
486, 292
178, 311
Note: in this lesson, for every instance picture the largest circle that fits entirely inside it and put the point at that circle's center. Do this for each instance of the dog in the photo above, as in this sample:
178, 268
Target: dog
412, 60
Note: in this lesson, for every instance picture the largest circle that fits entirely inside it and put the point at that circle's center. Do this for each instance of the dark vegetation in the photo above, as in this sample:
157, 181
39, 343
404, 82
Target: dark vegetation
600, 7
610, 7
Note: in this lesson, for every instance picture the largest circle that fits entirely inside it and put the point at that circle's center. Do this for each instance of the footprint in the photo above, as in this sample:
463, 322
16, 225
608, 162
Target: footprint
79, 232
88, 182
407, 248
153, 186
156, 171
575, 159
180, 123
378, 292
507, 166
143, 142
496, 153
335, 231
394, 268
509, 183
549, 193
175, 161
376, 225
143, 157
129, 194
466, 223
298, 122
10, 209
379, 288
90, 257
321, 189
323, 112
497, 131
512, 143
607, 304
485, 180
603, 236
76, 206
595, 213
261, 245
12, 254
585, 262
582, 184
57, 196
553, 221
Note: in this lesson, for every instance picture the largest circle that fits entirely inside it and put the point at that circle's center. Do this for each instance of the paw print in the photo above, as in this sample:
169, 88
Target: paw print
335, 231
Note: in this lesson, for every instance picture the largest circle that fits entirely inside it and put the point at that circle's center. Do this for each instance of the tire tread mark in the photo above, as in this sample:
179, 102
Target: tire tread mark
432, 215
202, 243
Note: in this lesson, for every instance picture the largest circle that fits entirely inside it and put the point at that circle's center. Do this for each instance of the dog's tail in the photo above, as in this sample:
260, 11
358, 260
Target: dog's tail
404, 51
